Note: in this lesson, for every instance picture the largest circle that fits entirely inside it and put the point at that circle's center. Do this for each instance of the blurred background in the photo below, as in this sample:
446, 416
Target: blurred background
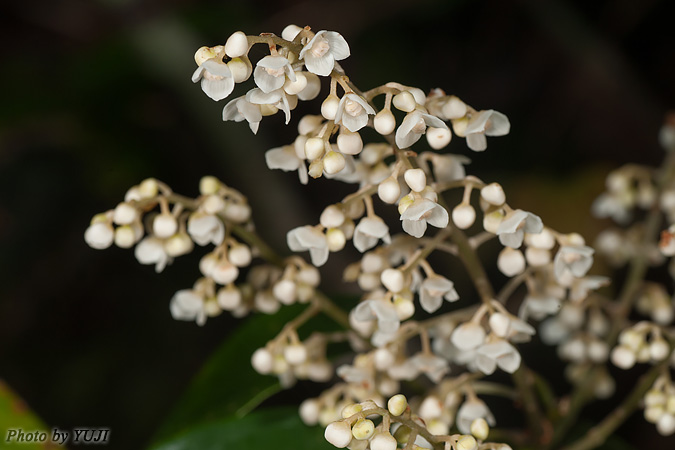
96, 96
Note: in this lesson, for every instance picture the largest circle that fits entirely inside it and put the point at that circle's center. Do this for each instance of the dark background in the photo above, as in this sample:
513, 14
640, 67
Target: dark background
96, 96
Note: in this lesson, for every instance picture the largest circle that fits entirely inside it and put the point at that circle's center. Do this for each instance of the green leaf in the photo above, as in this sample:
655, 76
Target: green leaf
227, 384
278, 429
15, 414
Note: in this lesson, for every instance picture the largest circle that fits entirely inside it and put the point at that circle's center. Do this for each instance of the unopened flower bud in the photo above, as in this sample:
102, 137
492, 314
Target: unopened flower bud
314, 148
262, 361
493, 193
500, 324
454, 108
623, 357
329, 107
351, 409
148, 188
463, 216
363, 429
295, 354
438, 138
480, 428
332, 217
384, 122
313, 88
100, 234
315, 169
240, 68
349, 143
285, 291
209, 185
405, 308
125, 214
125, 236
229, 298
383, 358
178, 244
164, 225
492, 221
239, 255
309, 411
335, 239
666, 424
659, 349
383, 441
213, 204
224, 273
333, 162
397, 404
393, 280
293, 87
389, 190
404, 101
511, 261
236, 45
339, 434
415, 179
466, 443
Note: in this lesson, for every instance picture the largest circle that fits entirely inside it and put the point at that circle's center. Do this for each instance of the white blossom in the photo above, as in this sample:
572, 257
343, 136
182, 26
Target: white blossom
241, 109
277, 98
414, 125
309, 238
485, 123
433, 290
421, 212
151, 251
270, 73
471, 410
572, 260
353, 111
286, 159
369, 231
205, 228
321, 52
497, 353
216, 78
431, 365
385, 313
187, 304
512, 229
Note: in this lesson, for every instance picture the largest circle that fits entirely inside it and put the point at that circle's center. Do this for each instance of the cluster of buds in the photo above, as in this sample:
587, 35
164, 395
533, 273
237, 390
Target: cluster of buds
659, 404
641, 343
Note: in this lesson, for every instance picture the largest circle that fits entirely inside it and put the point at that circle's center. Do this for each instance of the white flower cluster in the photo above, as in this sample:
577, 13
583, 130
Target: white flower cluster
659, 404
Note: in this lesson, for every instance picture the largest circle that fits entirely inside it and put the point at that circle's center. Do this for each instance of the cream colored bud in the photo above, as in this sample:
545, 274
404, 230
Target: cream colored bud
537, 256
653, 413
659, 349
125, 213
211, 307
383, 358
466, 443
349, 143
393, 280
164, 225
351, 409
631, 339
454, 108
623, 357
294, 87
239, 255
500, 324
209, 185
655, 397
308, 124
329, 107
389, 190
237, 212
309, 411
314, 148
438, 138
363, 429
240, 68
480, 429
333, 162
285, 291
416, 179
405, 308
332, 217
336, 239
384, 122
494, 194
492, 221
431, 408
397, 404
383, 441
125, 236
511, 262
404, 101
225, 273
295, 354
229, 298
236, 45
459, 126
463, 215
262, 361
213, 204
313, 88
339, 434
148, 188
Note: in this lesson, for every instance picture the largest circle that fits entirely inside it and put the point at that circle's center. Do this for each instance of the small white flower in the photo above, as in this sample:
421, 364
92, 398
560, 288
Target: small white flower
447, 167
421, 212
321, 52
470, 411
309, 238
205, 229
414, 125
186, 304
572, 260
270, 73
277, 98
498, 353
353, 111
368, 232
512, 229
432, 366
540, 306
286, 159
485, 123
217, 81
385, 313
433, 290
241, 109
99, 235
467, 336
151, 251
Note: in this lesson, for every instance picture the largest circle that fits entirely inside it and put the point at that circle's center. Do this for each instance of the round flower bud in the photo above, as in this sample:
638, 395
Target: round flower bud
125, 214
383, 358
500, 324
295, 354
363, 429
125, 236
240, 68
431, 408
404, 101
293, 87
229, 298
309, 411
653, 413
333, 162
314, 148
393, 280
332, 217
480, 428
438, 427
99, 235
335, 239
459, 126
213, 204
384, 122
164, 225
666, 425
598, 351
351, 409
309, 275
389, 190
207, 264
372, 262
415, 179
383, 441
467, 336
631, 339
659, 349
397, 404
510, 261
492, 221
405, 308
349, 143
339, 434
148, 188
438, 138
285, 291
623, 357
211, 307
493, 193
466, 443
133, 194
463, 215
454, 108
178, 244
313, 88
224, 273
329, 107
655, 397
262, 361
537, 256
236, 45
237, 212
239, 255
209, 185
308, 124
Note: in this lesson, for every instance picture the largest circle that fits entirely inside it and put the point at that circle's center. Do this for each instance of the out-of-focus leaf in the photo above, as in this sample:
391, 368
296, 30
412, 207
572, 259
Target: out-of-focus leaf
15, 414
278, 429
